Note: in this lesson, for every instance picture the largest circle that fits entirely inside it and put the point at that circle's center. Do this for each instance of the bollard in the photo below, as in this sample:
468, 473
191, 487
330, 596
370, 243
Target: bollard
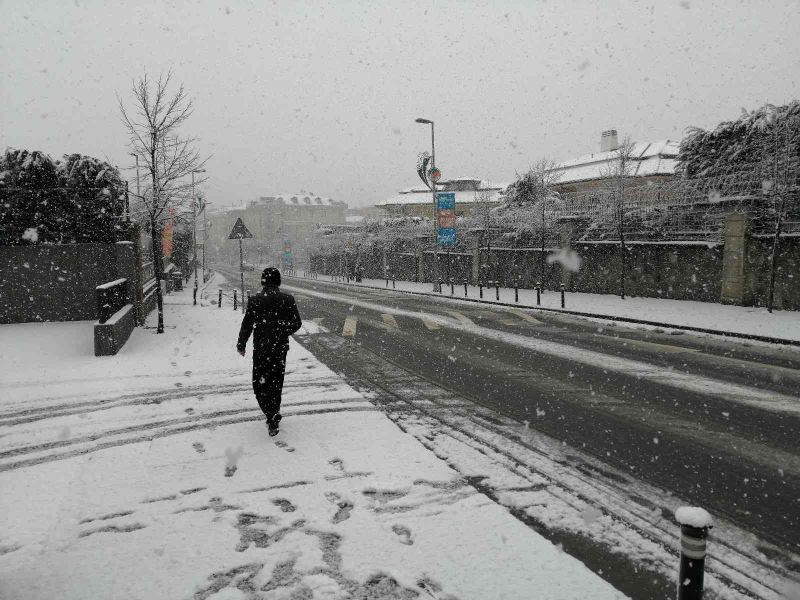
466, 293
695, 523
516, 292
452, 287
480, 288
538, 293
497, 291
219, 300
394, 283
387, 282
194, 297
234, 299
562, 295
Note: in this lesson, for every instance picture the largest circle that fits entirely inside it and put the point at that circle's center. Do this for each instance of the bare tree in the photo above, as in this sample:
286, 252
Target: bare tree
153, 122
618, 173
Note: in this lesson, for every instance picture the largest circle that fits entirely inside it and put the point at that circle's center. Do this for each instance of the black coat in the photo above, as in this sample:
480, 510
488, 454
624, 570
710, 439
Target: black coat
274, 316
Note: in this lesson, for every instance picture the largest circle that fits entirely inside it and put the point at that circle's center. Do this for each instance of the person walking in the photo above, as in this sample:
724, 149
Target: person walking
275, 317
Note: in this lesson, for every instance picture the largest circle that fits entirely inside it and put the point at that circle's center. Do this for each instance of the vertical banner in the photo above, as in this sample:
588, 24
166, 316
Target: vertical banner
166, 235
288, 259
446, 216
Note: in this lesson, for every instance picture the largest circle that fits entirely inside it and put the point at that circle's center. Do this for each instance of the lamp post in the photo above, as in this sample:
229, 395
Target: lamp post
436, 283
194, 224
206, 225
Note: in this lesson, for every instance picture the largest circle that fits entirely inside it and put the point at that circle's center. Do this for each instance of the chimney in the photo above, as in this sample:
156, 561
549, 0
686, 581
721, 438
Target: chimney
608, 141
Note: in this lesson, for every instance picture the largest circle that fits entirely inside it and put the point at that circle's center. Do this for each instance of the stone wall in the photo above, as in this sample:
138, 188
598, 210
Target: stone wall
57, 282
676, 270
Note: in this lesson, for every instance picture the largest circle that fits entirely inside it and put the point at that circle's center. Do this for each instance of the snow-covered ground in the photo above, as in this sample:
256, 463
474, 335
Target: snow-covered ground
782, 324
150, 475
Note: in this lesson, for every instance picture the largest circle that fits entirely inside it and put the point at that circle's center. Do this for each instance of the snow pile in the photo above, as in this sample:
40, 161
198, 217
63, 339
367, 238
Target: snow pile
694, 517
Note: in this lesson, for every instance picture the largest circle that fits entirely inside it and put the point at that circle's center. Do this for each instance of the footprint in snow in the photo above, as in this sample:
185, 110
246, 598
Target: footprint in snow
232, 458
198, 447
345, 507
404, 533
283, 445
284, 505
189, 411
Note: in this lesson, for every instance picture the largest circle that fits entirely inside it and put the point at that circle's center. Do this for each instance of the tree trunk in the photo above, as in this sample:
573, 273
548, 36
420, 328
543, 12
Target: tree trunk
158, 271
773, 257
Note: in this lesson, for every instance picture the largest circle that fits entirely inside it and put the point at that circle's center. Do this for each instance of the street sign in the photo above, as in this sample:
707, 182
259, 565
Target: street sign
446, 216
239, 231
435, 175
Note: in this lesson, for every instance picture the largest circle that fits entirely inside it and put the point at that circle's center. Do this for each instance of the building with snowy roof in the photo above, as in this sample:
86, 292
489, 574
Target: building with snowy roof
471, 193
651, 162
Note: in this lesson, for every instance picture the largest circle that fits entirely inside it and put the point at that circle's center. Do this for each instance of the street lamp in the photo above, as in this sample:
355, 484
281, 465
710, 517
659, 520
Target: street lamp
436, 285
194, 225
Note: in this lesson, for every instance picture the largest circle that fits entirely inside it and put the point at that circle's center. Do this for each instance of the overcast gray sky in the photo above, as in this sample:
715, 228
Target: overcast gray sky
323, 96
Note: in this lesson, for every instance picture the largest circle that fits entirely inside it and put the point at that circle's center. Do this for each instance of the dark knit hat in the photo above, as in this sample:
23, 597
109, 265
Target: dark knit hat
271, 276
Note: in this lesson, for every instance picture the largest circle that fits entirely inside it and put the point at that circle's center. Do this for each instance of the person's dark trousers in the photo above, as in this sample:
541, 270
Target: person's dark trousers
268, 370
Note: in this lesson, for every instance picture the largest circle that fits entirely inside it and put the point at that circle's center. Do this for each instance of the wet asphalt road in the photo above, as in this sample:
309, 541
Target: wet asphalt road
712, 421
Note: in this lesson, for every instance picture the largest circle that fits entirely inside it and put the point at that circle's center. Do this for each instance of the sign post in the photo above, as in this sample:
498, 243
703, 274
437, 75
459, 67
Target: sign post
240, 232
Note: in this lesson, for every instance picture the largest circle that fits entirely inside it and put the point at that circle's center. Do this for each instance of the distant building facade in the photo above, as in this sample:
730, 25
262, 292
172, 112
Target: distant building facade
279, 224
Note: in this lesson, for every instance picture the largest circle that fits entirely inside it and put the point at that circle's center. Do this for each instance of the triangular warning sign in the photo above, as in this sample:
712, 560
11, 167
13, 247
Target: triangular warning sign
239, 231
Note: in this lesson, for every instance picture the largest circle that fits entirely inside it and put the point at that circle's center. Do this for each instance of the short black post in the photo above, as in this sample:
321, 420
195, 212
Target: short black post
466, 293
480, 288
234, 299
695, 523
538, 293
194, 294
562, 295
387, 281
219, 300
452, 287
497, 291
394, 283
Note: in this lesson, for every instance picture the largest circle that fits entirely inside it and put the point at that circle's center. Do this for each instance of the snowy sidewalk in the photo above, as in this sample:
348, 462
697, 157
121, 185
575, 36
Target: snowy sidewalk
150, 475
748, 320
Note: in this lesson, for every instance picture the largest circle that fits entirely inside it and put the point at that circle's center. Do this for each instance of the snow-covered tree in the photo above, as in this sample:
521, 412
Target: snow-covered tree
153, 124
618, 174
79, 199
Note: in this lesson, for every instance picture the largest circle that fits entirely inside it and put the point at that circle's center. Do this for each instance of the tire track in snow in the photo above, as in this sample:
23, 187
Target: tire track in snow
160, 429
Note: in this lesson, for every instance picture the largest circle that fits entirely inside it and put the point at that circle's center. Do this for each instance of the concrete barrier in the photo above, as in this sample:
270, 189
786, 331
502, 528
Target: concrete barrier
110, 337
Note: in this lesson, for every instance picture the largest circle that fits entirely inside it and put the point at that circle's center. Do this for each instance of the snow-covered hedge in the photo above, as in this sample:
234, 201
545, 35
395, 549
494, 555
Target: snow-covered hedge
76, 199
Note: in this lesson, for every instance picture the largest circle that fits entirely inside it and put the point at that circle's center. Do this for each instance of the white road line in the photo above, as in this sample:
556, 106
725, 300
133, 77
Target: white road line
525, 317
643, 371
430, 323
390, 322
349, 328
461, 318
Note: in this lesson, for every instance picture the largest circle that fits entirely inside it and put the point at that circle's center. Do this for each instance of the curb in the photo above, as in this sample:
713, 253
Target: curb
730, 334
